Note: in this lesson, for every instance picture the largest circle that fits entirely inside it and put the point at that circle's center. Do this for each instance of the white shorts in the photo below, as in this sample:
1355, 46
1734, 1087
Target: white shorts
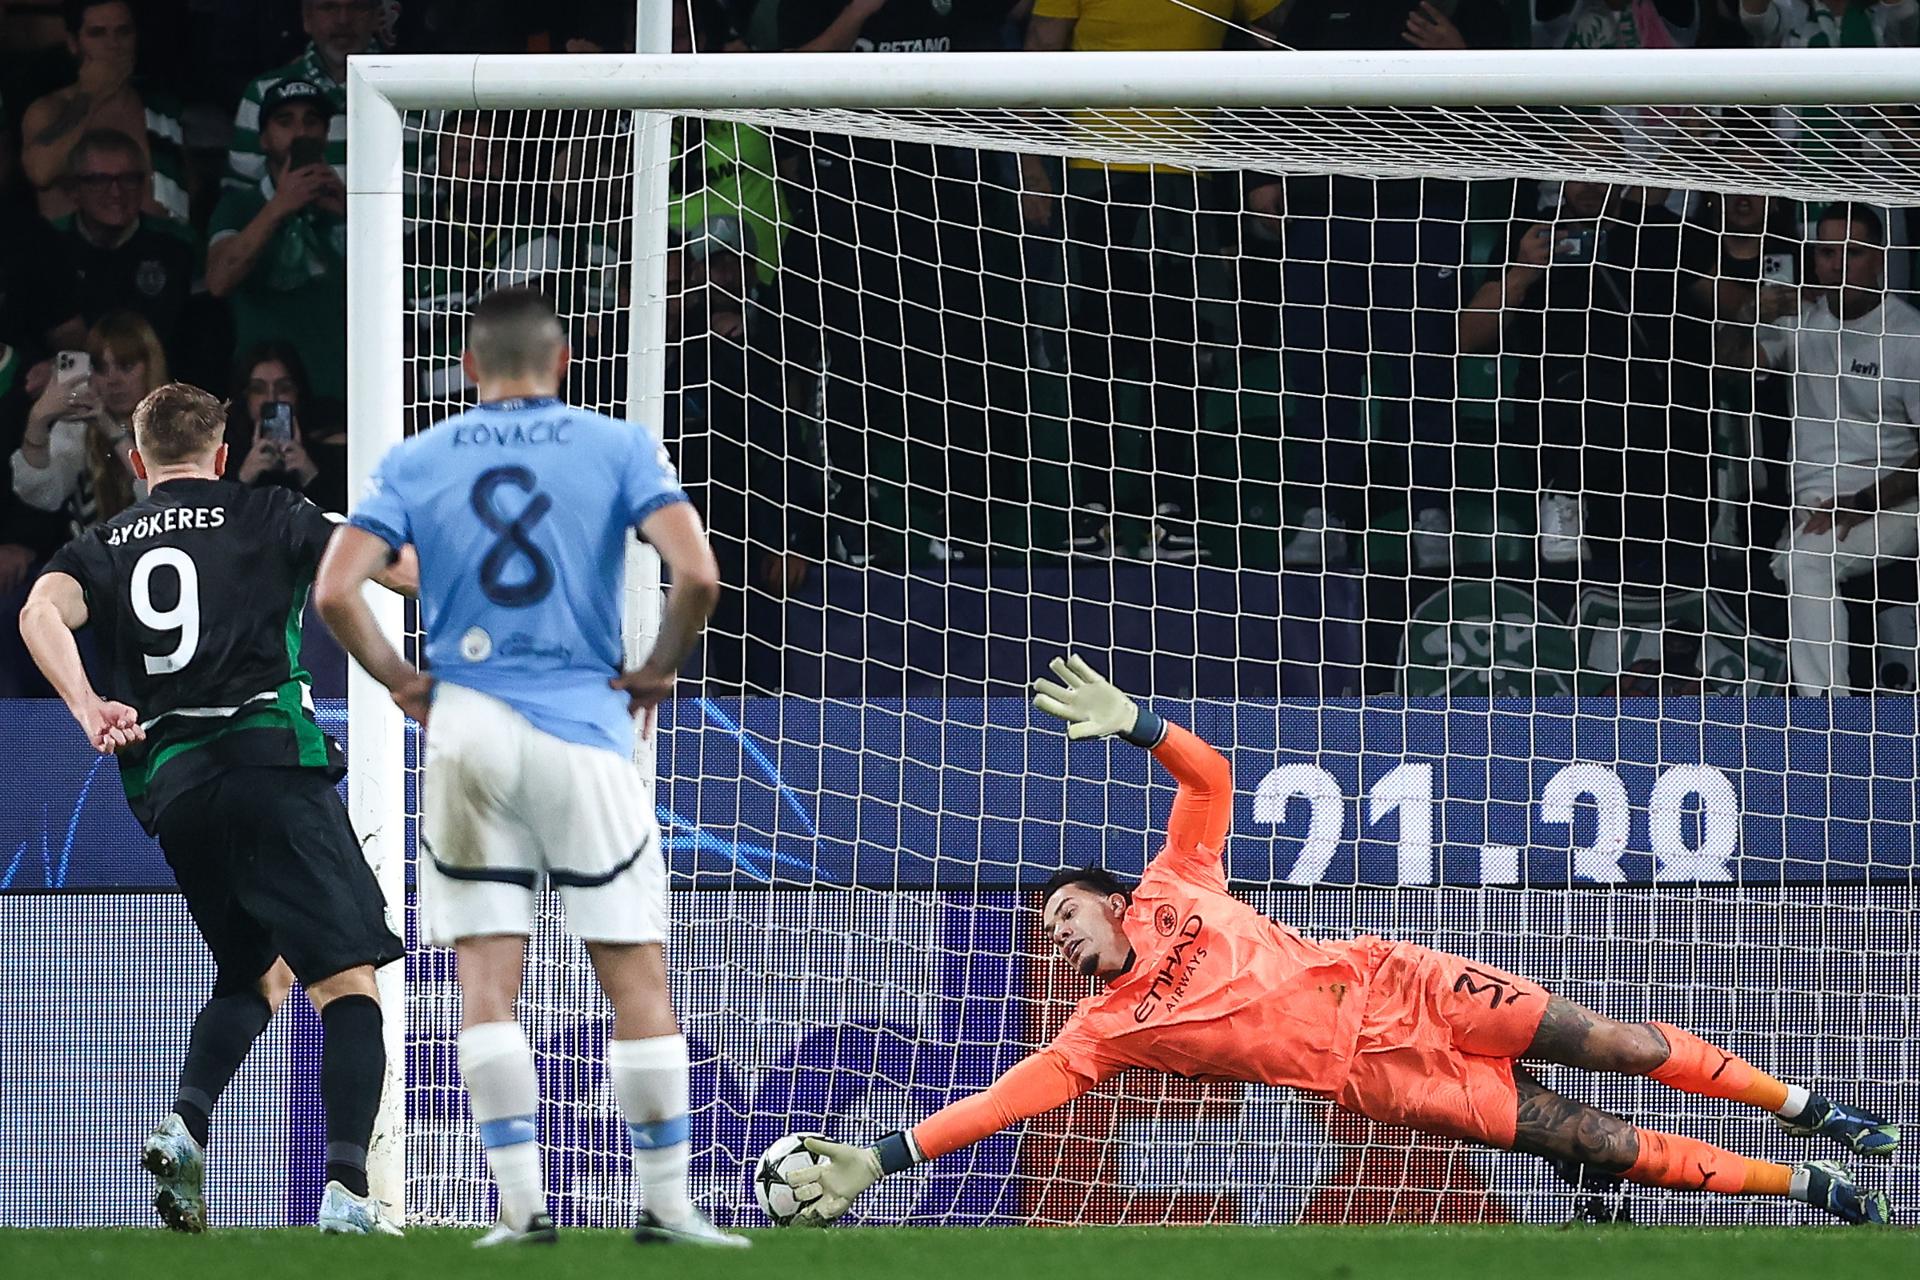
507, 807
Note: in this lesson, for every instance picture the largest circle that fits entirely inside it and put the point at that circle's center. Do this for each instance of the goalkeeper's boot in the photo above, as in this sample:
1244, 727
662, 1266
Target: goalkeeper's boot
694, 1229
1861, 1132
1825, 1185
539, 1230
343, 1213
179, 1166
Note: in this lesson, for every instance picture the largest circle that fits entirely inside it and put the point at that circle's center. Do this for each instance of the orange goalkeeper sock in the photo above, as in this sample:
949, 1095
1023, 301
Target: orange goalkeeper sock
1694, 1066
1687, 1164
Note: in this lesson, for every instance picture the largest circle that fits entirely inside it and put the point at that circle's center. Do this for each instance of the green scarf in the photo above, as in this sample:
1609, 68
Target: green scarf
309, 246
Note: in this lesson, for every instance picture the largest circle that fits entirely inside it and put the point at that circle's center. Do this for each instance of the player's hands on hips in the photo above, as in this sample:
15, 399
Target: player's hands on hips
1091, 707
845, 1173
112, 726
646, 689
415, 697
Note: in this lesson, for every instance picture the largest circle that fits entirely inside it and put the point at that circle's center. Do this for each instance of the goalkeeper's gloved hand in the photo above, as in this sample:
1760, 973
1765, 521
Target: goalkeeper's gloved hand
1093, 708
845, 1173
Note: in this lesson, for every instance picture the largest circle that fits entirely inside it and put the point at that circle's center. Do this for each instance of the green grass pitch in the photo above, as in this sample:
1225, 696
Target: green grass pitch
1223, 1253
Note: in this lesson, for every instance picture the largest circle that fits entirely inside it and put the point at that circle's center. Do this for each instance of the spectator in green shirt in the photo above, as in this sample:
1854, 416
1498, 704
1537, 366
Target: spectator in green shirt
279, 248
335, 28
723, 169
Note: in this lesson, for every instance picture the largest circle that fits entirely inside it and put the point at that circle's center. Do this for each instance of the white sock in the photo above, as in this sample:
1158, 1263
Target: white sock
650, 1080
516, 1171
1797, 1098
496, 1062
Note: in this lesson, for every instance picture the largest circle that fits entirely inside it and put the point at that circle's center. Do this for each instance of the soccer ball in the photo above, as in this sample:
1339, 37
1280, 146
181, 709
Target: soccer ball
770, 1187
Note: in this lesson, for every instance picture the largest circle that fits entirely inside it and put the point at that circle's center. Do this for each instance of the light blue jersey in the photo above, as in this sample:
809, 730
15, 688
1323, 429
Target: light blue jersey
519, 510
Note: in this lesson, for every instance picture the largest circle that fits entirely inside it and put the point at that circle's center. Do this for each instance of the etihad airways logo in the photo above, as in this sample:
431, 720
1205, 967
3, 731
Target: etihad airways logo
1175, 972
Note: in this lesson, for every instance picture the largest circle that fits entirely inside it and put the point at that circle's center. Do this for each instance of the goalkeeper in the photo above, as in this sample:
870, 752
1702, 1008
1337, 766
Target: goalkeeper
1199, 984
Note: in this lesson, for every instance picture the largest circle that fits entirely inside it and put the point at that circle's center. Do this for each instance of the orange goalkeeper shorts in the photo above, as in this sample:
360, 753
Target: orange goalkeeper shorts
1438, 1040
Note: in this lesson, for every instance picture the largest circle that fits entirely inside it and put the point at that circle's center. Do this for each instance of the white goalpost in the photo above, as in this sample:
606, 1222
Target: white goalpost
943, 437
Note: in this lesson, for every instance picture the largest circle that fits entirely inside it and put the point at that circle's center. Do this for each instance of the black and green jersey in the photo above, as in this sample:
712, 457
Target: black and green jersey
195, 596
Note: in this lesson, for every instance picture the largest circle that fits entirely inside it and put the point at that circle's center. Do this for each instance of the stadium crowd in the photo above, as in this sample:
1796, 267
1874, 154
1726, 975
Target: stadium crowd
895, 354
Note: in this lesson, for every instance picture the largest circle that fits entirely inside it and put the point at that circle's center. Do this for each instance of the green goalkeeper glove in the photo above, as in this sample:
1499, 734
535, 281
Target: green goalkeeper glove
845, 1173
1093, 708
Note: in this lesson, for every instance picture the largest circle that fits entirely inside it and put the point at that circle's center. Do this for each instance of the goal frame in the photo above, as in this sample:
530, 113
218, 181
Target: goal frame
382, 86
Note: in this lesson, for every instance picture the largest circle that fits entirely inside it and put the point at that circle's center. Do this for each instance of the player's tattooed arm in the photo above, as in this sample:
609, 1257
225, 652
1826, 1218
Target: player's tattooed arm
1547, 1124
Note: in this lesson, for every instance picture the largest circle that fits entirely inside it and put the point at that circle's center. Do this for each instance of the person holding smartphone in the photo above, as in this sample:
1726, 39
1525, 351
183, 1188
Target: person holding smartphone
1616, 347
279, 249
279, 432
73, 467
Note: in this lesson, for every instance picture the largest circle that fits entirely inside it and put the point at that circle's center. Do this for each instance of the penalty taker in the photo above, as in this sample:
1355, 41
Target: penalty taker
1197, 983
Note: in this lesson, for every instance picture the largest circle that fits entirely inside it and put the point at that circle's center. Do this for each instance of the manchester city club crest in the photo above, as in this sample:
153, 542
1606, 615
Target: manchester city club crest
476, 645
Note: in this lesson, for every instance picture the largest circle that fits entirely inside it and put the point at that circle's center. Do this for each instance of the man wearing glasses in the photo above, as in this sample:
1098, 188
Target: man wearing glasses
119, 257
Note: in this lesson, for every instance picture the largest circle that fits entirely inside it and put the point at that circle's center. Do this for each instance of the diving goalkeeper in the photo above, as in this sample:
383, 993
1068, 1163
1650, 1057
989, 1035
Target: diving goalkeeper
1199, 984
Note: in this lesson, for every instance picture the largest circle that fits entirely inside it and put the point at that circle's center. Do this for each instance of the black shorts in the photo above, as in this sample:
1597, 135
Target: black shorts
270, 867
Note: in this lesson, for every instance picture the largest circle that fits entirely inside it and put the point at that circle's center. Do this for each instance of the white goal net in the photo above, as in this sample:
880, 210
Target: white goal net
1419, 458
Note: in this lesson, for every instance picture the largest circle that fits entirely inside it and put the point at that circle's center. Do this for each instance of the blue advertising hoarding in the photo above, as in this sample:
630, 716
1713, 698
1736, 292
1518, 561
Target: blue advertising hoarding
857, 1012
974, 793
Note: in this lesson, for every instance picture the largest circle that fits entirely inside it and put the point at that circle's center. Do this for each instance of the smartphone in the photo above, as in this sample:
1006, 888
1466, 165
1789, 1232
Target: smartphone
1778, 268
1573, 244
306, 151
276, 420
71, 366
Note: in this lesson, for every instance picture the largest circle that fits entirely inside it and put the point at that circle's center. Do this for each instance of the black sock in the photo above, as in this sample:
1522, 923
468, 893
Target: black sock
223, 1031
353, 1065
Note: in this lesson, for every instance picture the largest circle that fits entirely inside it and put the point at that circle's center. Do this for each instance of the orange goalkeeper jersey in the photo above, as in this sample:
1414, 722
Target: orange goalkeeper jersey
1216, 990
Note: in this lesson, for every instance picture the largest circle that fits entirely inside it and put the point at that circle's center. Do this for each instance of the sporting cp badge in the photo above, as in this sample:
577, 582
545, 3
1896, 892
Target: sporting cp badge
150, 279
